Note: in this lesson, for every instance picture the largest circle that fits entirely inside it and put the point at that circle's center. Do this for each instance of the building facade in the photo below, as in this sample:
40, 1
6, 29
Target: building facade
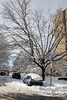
61, 27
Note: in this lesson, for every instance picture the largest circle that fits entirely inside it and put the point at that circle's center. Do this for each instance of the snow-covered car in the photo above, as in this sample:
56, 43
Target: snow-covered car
33, 79
16, 75
62, 78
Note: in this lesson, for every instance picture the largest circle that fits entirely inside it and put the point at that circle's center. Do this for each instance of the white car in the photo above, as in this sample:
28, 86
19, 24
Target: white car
33, 79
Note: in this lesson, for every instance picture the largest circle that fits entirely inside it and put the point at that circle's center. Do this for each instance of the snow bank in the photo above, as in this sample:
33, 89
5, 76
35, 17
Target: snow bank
58, 87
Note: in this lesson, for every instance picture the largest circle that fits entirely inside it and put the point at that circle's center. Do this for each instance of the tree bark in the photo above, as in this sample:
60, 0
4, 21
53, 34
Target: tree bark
43, 74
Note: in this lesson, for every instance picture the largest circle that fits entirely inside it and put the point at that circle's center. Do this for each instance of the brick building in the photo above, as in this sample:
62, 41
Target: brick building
61, 27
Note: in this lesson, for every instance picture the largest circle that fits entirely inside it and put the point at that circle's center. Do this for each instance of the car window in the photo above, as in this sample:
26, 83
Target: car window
28, 77
32, 80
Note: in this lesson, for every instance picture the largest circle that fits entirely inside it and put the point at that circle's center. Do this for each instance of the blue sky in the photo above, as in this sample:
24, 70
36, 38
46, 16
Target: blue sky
10, 61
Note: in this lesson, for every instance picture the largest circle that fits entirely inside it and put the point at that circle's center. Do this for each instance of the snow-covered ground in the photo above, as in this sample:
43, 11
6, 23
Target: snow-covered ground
10, 85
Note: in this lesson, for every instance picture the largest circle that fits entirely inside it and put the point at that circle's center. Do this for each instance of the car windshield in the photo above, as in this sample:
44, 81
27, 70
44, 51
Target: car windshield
28, 77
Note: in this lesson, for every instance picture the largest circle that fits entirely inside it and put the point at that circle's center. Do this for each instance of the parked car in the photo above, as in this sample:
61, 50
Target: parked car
62, 78
2, 73
16, 75
33, 79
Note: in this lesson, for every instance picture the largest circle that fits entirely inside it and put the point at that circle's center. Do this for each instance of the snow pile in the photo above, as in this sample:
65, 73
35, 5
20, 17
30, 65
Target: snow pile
10, 85
34, 76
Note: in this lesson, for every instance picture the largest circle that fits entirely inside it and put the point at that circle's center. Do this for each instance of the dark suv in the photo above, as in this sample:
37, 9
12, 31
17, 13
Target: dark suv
16, 75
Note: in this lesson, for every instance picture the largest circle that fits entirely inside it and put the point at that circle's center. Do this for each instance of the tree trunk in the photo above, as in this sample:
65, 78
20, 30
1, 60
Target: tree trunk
43, 74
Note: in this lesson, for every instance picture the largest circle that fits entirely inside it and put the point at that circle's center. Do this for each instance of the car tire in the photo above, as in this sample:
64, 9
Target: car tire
41, 84
29, 84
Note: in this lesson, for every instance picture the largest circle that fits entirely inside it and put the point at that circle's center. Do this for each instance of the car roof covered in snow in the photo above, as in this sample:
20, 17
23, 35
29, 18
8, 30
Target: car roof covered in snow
34, 76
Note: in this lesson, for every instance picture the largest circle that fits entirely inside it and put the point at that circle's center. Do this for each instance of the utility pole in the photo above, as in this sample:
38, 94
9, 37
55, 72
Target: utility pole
51, 74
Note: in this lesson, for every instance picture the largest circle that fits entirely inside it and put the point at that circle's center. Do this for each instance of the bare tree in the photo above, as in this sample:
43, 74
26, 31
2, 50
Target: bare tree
4, 50
32, 33
22, 61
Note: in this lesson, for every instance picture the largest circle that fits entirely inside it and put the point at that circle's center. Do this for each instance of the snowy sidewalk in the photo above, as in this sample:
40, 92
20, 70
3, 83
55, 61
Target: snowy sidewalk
10, 85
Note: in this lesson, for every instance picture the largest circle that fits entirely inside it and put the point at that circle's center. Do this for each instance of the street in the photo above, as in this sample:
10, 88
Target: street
26, 97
